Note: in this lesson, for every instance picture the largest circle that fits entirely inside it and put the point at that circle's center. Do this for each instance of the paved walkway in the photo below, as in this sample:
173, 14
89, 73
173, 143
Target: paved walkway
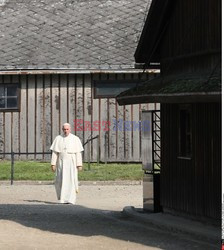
172, 223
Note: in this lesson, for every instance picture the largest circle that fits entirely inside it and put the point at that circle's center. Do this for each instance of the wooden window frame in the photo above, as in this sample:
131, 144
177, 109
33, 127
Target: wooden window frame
18, 86
135, 83
187, 129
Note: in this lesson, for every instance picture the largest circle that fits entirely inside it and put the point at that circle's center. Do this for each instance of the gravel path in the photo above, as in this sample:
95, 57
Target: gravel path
31, 218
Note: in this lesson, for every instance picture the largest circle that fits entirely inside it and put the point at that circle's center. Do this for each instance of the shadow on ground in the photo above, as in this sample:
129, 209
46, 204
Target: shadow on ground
84, 221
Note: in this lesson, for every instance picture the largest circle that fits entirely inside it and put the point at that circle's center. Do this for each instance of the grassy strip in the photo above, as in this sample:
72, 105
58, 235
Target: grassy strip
33, 170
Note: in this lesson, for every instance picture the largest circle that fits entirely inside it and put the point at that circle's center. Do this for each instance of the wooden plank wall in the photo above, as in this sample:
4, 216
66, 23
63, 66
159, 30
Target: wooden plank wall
194, 29
48, 101
192, 186
195, 26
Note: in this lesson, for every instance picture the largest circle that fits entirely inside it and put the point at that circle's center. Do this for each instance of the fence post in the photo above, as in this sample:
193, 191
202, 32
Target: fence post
88, 152
12, 167
98, 149
105, 148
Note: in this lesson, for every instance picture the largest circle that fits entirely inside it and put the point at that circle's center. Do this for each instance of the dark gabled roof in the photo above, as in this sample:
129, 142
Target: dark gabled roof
154, 28
70, 34
182, 88
189, 87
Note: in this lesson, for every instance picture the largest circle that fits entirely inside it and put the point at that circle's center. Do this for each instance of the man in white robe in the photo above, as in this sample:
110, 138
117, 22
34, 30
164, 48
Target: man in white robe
66, 160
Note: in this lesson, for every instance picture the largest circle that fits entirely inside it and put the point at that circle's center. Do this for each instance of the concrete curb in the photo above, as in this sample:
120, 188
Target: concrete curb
27, 183
110, 183
204, 232
81, 183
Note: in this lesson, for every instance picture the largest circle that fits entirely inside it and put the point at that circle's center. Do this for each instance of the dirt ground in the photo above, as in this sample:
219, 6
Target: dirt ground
31, 218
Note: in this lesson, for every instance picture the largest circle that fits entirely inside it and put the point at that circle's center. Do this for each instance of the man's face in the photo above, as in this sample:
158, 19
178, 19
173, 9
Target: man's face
66, 130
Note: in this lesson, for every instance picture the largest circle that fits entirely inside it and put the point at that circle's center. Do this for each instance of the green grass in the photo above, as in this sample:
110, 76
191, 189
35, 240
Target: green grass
33, 170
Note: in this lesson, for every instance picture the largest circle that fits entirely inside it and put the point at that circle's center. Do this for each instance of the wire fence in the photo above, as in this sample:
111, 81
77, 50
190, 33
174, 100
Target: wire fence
12, 154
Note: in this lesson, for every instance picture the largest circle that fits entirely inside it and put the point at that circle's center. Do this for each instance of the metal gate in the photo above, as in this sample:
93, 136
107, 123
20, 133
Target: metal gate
151, 157
151, 146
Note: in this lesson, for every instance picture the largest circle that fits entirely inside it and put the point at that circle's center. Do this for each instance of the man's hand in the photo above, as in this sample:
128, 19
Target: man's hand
79, 168
53, 168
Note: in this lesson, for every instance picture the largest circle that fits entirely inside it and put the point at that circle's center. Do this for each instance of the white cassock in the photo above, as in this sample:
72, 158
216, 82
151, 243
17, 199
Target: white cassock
66, 155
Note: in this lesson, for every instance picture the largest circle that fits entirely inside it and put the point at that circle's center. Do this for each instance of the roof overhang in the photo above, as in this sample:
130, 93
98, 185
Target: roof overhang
171, 98
73, 71
187, 88
155, 25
